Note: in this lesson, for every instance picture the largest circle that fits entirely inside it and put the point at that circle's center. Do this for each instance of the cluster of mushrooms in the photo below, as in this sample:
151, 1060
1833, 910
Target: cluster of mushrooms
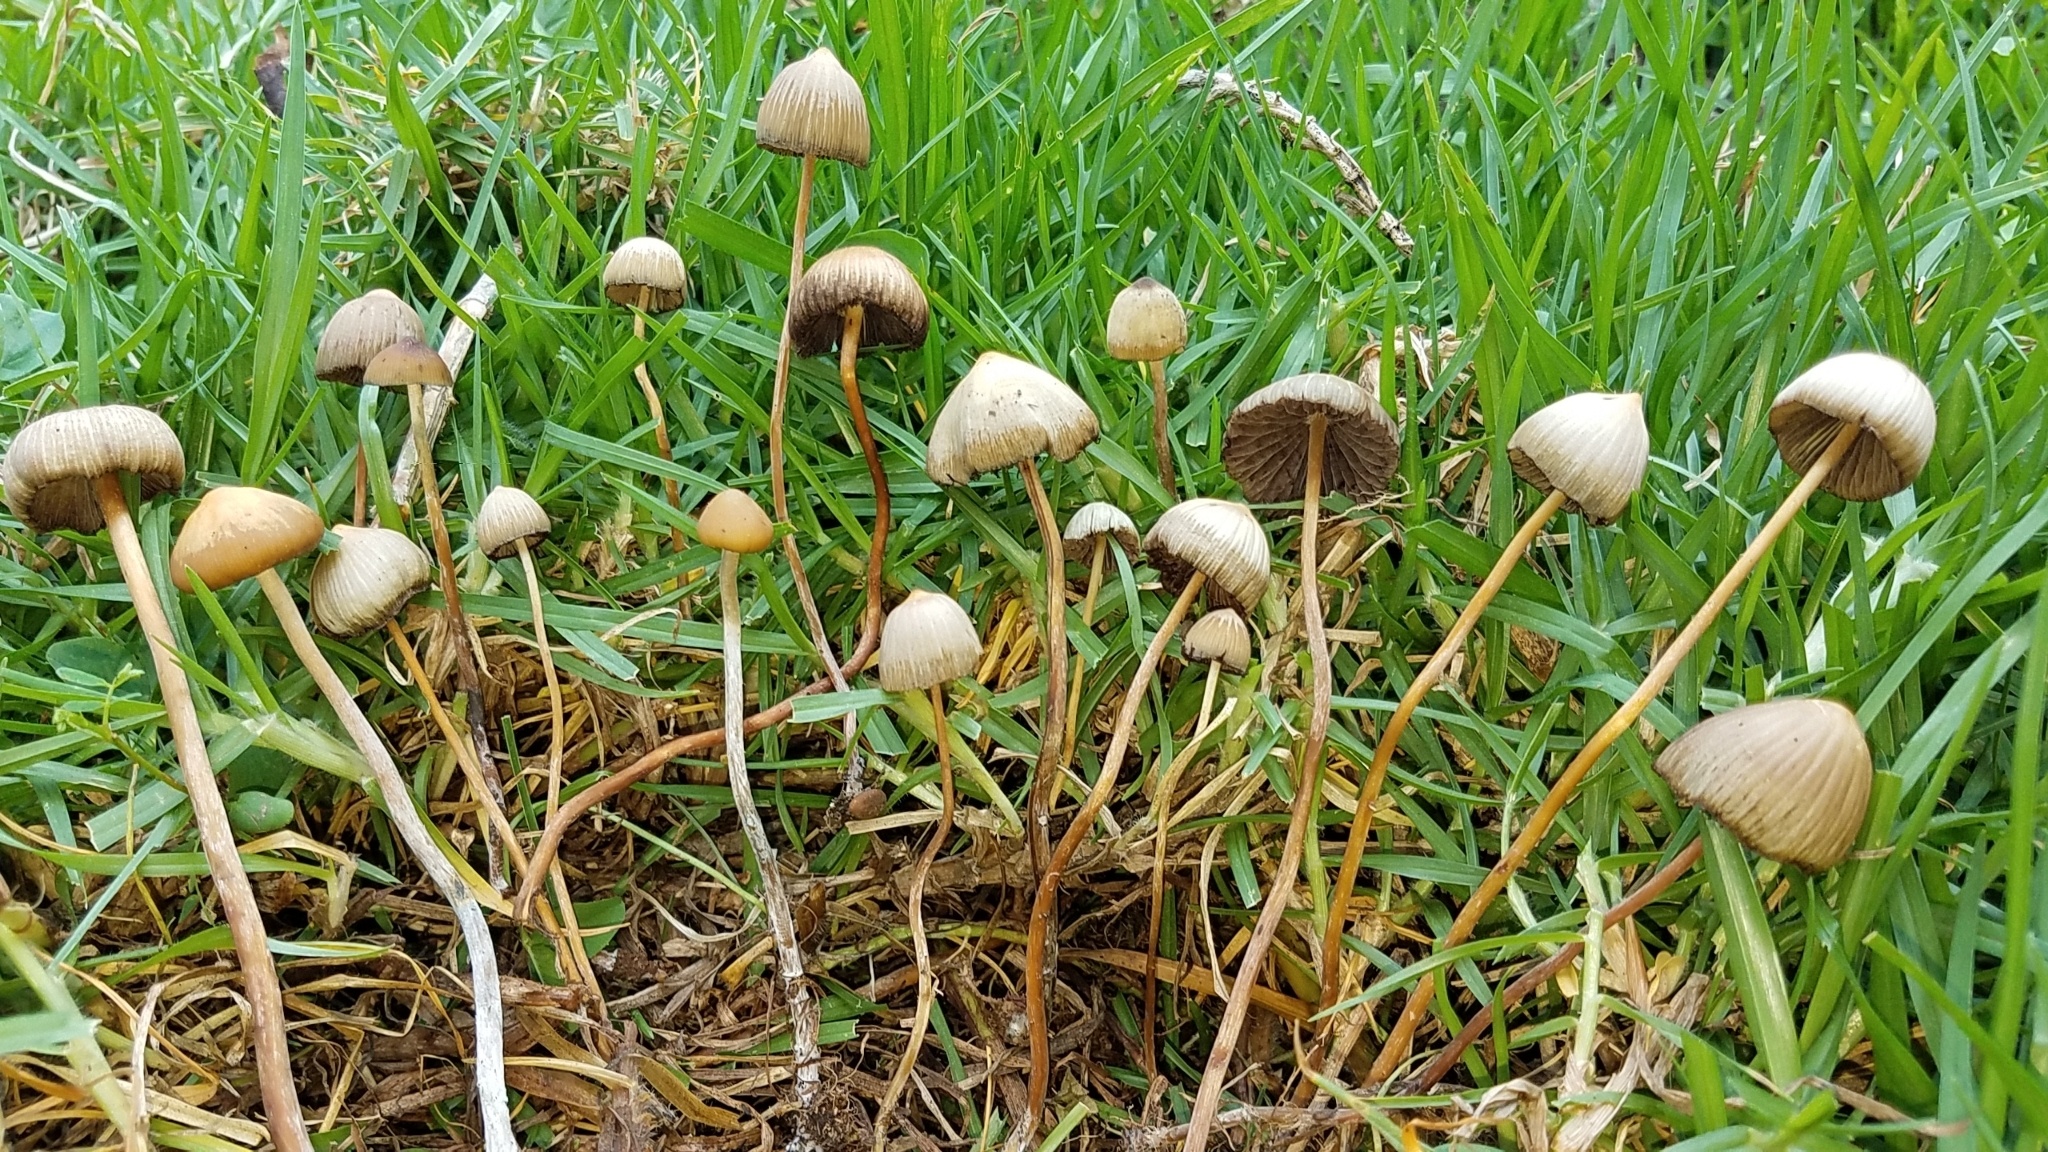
1787, 778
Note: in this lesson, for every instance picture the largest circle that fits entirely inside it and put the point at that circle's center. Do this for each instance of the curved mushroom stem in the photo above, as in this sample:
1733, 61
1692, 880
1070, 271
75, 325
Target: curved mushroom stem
493, 1106
669, 488
878, 535
547, 668
1162, 803
1052, 712
1162, 445
1402, 1037
216, 835
1095, 559
1046, 899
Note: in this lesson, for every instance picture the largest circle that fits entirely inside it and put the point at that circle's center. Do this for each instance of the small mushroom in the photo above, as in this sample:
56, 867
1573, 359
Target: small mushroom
411, 365
1790, 778
359, 330
361, 584
647, 275
511, 521
1092, 526
1147, 325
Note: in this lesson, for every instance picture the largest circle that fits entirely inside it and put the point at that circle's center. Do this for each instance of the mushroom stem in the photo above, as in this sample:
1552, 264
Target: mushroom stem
362, 509
669, 487
216, 835
1402, 1037
1097, 554
1162, 803
878, 539
1161, 445
1045, 783
493, 1106
1046, 899
547, 668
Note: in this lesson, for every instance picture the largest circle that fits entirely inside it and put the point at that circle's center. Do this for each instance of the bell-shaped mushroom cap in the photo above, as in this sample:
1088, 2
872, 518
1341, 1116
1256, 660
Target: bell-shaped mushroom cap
646, 272
814, 107
1098, 519
50, 468
926, 640
359, 330
733, 522
1220, 539
1220, 637
1877, 392
1003, 413
1146, 322
508, 516
1592, 446
1790, 778
361, 585
405, 364
1265, 444
237, 532
893, 308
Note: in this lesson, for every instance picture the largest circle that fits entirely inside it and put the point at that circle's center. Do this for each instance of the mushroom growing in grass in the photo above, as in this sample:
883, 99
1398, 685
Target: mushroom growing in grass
1859, 425
411, 365
236, 533
1146, 325
63, 472
511, 521
1196, 543
647, 275
359, 330
1092, 526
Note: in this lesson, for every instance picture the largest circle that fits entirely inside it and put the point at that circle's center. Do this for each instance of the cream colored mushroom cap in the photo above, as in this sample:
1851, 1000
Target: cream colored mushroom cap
733, 521
1884, 397
366, 579
51, 466
237, 532
1220, 539
508, 516
1265, 444
1003, 413
814, 107
1790, 778
1219, 637
926, 641
1146, 322
1592, 446
1099, 519
646, 272
360, 329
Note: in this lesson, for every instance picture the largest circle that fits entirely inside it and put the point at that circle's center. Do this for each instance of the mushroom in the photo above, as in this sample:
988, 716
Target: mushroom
647, 275
1146, 325
236, 533
511, 521
1860, 425
1217, 543
359, 330
1790, 778
63, 471
1092, 526
927, 641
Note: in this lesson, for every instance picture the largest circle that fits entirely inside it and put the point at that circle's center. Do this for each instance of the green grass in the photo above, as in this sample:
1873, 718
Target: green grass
1690, 201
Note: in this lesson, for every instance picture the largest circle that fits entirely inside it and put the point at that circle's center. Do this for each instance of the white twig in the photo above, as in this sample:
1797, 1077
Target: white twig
475, 308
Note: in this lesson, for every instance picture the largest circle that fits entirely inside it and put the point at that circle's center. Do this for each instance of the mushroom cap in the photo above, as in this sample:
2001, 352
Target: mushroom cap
237, 532
649, 264
1790, 778
1219, 637
1099, 519
359, 330
814, 107
1220, 539
360, 585
507, 517
893, 308
50, 468
1146, 322
733, 522
1004, 412
1592, 446
1265, 444
926, 640
1877, 392
407, 363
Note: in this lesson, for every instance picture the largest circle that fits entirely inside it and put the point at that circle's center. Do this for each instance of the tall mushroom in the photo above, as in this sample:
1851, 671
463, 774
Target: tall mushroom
236, 533
359, 330
511, 521
64, 471
1092, 526
647, 275
1146, 325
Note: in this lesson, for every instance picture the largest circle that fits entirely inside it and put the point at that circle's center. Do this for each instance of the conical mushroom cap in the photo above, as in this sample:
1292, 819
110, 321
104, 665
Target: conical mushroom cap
405, 364
1877, 392
1220, 539
508, 516
1265, 444
363, 583
236, 532
926, 641
893, 308
50, 468
814, 107
1003, 413
1790, 778
649, 265
1592, 446
733, 522
1219, 637
359, 330
1099, 519
1146, 322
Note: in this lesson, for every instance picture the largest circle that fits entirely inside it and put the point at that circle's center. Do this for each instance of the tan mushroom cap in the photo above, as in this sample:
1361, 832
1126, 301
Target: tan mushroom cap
1219, 637
733, 522
1265, 444
364, 581
237, 532
50, 468
1220, 539
1877, 392
359, 330
1790, 778
1592, 446
1146, 322
646, 272
1003, 413
507, 517
926, 641
405, 364
894, 312
1098, 519
814, 107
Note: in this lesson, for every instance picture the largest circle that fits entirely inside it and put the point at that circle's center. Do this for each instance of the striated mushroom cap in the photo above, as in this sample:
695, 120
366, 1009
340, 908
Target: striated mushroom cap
926, 641
50, 467
894, 312
1099, 519
1219, 637
237, 532
507, 517
366, 580
733, 522
1877, 392
1790, 778
1146, 322
1592, 446
406, 364
1003, 413
359, 330
1220, 539
1265, 444
649, 269
814, 107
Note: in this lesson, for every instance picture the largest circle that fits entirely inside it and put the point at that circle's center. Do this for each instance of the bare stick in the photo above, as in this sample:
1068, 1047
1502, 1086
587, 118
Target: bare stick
669, 487
1162, 446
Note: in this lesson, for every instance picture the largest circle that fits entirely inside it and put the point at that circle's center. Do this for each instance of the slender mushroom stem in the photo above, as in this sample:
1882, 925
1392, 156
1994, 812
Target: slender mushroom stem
1045, 783
1098, 553
669, 488
547, 668
362, 509
486, 1001
878, 539
216, 836
1162, 803
1162, 446
1402, 1037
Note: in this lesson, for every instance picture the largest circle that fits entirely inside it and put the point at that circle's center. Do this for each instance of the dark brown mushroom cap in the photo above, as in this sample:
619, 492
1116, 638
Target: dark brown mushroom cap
893, 308
51, 466
1220, 539
814, 107
405, 364
1791, 778
1265, 444
1879, 394
359, 330
237, 532
646, 272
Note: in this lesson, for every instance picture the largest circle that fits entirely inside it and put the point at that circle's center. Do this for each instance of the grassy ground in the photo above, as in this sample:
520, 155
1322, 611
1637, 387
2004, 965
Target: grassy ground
1689, 201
